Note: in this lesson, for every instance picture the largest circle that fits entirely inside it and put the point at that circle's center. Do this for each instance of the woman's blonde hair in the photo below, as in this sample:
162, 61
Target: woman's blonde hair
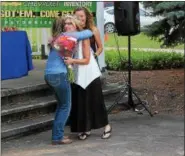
58, 24
74, 20
89, 17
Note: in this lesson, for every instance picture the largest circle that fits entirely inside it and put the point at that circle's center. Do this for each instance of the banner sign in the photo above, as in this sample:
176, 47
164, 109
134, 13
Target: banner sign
33, 14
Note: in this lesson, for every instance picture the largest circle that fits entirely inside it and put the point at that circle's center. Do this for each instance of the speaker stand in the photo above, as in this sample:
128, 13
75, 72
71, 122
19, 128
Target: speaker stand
128, 88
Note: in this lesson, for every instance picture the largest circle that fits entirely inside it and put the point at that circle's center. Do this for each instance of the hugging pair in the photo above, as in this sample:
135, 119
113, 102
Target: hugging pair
83, 98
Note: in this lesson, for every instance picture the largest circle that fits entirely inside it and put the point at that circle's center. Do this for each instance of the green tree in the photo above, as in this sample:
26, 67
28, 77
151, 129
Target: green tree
170, 29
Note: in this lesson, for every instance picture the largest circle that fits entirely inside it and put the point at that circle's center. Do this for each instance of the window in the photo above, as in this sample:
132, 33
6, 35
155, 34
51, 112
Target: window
111, 11
143, 13
108, 4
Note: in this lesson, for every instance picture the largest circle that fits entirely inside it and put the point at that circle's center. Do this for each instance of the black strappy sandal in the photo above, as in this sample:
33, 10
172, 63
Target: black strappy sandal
108, 132
83, 136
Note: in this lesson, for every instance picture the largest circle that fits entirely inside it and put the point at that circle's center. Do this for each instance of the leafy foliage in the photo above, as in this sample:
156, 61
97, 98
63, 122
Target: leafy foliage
144, 60
170, 29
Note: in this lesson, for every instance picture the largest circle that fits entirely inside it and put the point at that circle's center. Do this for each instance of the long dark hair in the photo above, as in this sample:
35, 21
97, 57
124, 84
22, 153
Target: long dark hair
57, 27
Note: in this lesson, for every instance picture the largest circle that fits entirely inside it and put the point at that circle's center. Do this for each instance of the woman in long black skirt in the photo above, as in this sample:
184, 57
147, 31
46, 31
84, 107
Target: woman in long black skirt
88, 108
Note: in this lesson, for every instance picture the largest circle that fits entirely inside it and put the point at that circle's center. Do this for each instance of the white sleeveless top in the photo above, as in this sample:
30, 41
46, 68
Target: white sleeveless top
85, 74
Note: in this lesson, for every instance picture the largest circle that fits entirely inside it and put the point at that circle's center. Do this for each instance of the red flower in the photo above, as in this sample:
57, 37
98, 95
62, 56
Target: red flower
65, 43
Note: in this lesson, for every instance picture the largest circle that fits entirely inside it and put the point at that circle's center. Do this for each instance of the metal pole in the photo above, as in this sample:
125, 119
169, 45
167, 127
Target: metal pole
43, 54
130, 99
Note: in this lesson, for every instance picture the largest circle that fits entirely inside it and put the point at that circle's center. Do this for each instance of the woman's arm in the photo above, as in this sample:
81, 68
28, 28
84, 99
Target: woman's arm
86, 55
80, 35
98, 41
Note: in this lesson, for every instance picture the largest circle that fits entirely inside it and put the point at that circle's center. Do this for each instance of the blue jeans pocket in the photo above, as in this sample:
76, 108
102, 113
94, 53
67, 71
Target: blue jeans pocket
60, 84
56, 80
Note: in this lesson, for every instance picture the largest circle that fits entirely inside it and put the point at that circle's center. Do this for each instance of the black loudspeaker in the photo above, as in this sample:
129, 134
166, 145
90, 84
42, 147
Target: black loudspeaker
127, 18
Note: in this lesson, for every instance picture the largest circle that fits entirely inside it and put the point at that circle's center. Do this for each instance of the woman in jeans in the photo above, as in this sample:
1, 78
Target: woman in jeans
56, 78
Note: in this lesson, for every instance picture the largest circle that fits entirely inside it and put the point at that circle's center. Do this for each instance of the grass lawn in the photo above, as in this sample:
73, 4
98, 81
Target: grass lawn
137, 41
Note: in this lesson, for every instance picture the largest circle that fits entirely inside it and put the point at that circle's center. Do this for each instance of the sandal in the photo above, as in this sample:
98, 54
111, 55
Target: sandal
66, 137
84, 135
106, 135
64, 141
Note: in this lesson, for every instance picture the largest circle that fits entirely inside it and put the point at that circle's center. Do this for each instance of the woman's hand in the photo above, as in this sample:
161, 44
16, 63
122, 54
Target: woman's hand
68, 60
95, 55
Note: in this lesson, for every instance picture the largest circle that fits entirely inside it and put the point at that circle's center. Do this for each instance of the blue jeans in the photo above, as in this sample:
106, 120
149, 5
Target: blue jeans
62, 89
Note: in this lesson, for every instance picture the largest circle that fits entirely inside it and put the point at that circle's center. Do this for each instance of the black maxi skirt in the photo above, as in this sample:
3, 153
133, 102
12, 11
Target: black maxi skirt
88, 108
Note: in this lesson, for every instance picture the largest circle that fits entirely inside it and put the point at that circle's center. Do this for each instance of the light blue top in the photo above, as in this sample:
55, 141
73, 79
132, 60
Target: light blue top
55, 64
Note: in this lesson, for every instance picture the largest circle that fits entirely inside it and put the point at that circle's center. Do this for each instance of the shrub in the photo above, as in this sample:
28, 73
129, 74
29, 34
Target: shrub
144, 60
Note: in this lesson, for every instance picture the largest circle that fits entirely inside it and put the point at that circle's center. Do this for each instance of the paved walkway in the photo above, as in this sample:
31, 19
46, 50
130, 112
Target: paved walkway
133, 135
149, 49
35, 77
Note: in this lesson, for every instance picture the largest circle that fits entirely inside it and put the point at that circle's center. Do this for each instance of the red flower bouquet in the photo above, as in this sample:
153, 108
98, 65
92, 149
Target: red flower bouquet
65, 46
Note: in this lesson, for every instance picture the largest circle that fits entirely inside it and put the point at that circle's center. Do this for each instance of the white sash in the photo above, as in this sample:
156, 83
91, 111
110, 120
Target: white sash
85, 74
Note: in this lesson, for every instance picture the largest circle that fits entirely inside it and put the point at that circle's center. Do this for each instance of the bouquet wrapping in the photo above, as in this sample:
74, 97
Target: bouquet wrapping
65, 46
